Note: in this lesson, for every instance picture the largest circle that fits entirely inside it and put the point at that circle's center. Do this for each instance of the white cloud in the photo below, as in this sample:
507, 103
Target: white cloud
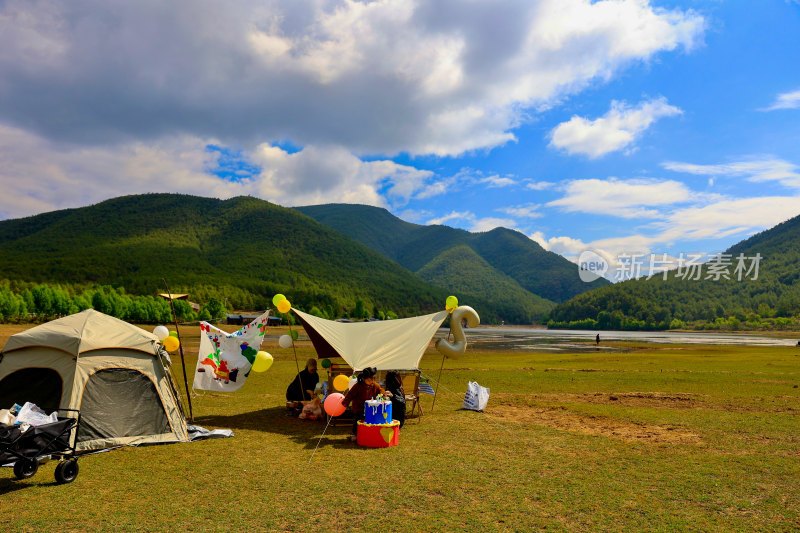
790, 100
621, 198
36, 175
472, 223
758, 170
615, 130
379, 77
539, 185
496, 181
490, 223
523, 211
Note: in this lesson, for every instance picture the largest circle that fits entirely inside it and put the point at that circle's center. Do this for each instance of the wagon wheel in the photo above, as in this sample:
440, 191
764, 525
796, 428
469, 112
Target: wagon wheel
25, 468
67, 471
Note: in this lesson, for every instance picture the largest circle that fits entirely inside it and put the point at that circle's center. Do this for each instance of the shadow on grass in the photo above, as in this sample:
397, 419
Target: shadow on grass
279, 421
9, 485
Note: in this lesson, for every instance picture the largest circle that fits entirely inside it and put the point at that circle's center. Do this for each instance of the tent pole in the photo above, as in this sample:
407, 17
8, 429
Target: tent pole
180, 345
296, 364
438, 384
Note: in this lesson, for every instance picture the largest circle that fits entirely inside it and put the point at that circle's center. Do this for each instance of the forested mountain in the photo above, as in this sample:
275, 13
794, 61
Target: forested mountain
507, 254
240, 251
770, 300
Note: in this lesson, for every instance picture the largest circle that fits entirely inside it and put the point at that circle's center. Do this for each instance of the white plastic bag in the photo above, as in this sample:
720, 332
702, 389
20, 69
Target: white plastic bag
33, 415
476, 397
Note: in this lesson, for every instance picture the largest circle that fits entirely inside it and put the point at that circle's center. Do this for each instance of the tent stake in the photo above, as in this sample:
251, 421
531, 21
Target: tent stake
438, 384
180, 345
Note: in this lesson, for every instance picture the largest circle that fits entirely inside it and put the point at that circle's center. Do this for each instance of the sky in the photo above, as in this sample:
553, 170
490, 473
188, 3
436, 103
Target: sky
620, 126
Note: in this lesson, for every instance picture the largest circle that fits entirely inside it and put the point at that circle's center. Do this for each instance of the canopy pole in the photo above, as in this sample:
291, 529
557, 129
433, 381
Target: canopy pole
180, 345
296, 364
438, 384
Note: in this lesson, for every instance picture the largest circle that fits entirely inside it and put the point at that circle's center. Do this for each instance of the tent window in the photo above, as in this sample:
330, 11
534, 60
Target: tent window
119, 402
41, 386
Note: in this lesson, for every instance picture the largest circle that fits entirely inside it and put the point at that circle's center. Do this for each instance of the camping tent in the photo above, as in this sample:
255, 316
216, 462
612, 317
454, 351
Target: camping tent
115, 373
387, 345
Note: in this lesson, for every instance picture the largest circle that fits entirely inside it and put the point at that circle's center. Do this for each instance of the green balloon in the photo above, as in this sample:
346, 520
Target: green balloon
294, 335
326, 363
451, 302
277, 298
173, 334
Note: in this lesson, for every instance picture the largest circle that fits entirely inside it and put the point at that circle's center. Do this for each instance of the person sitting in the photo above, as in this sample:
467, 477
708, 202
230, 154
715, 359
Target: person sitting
394, 384
365, 389
302, 388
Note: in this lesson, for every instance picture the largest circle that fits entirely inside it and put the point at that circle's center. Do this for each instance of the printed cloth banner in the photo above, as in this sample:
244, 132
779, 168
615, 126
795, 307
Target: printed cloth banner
225, 359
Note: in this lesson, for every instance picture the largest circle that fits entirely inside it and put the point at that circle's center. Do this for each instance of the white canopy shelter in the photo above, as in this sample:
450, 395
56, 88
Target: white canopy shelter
386, 345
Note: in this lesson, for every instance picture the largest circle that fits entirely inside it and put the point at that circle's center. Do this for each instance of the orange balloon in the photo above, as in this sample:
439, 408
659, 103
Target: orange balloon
284, 306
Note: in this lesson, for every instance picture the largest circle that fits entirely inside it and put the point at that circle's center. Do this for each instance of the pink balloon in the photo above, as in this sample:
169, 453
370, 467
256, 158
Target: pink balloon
334, 405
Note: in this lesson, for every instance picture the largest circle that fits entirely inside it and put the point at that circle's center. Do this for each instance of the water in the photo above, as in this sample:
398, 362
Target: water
557, 340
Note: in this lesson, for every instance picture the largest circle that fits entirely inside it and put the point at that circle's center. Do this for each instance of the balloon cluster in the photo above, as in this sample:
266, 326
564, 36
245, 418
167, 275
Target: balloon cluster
451, 303
280, 301
169, 339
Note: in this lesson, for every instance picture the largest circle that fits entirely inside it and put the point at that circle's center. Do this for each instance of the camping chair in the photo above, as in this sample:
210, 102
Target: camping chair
411, 387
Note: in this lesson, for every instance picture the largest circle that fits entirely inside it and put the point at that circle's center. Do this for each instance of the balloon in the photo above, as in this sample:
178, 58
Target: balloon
326, 363
340, 382
333, 404
161, 332
263, 362
456, 349
285, 341
173, 334
294, 335
451, 302
284, 306
352, 382
171, 343
277, 298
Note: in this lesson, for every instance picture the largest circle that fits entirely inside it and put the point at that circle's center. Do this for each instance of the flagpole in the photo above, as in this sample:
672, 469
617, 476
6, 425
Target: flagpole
180, 346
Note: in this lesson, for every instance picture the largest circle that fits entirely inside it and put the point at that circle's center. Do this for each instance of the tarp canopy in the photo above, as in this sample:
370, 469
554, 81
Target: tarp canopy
83, 332
386, 344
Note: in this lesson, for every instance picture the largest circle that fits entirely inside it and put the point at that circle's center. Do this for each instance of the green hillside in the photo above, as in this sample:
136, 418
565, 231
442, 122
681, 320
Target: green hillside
509, 253
476, 279
242, 249
769, 301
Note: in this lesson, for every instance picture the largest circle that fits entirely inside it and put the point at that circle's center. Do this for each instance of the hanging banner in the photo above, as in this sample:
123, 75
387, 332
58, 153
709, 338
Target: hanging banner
225, 359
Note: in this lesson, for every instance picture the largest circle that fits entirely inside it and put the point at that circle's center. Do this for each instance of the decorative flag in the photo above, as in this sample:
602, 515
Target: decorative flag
225, 359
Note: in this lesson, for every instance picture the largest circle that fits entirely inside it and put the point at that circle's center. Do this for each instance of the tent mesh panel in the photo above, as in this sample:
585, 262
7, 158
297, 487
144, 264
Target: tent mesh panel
120, 402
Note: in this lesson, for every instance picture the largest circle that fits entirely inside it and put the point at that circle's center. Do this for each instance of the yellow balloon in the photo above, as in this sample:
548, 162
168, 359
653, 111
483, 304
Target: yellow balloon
340, 382
263, 362
284, 306
451, 303
171, 344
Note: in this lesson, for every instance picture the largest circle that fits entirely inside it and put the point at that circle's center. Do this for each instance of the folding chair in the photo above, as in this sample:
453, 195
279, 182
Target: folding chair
411, 387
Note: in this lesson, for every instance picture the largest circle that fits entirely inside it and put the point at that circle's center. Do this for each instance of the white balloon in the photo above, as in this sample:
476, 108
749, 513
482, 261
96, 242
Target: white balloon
161, 332
352, 382
285, 341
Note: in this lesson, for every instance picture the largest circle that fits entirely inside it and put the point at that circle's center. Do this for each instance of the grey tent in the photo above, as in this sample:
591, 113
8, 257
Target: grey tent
117, 375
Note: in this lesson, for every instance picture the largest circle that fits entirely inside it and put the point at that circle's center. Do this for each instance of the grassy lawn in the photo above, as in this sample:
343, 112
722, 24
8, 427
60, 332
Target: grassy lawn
662, 437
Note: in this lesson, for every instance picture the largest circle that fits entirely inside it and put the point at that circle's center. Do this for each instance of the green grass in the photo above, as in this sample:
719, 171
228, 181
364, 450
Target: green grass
459, 470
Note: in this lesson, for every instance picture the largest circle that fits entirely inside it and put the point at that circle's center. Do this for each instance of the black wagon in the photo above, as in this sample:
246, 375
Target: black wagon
56, 439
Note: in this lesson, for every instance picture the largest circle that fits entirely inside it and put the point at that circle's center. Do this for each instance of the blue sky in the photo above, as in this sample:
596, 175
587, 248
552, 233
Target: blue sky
623, 127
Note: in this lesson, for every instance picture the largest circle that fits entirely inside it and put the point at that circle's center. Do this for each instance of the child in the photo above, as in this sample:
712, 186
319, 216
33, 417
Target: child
365, 389
394, 384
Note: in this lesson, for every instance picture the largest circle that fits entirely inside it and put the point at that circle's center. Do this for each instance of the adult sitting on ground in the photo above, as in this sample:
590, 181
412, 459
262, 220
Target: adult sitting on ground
302, 388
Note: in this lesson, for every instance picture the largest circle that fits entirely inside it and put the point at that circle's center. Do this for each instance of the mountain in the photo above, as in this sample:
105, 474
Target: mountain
243, 250
775, 293
508, 255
